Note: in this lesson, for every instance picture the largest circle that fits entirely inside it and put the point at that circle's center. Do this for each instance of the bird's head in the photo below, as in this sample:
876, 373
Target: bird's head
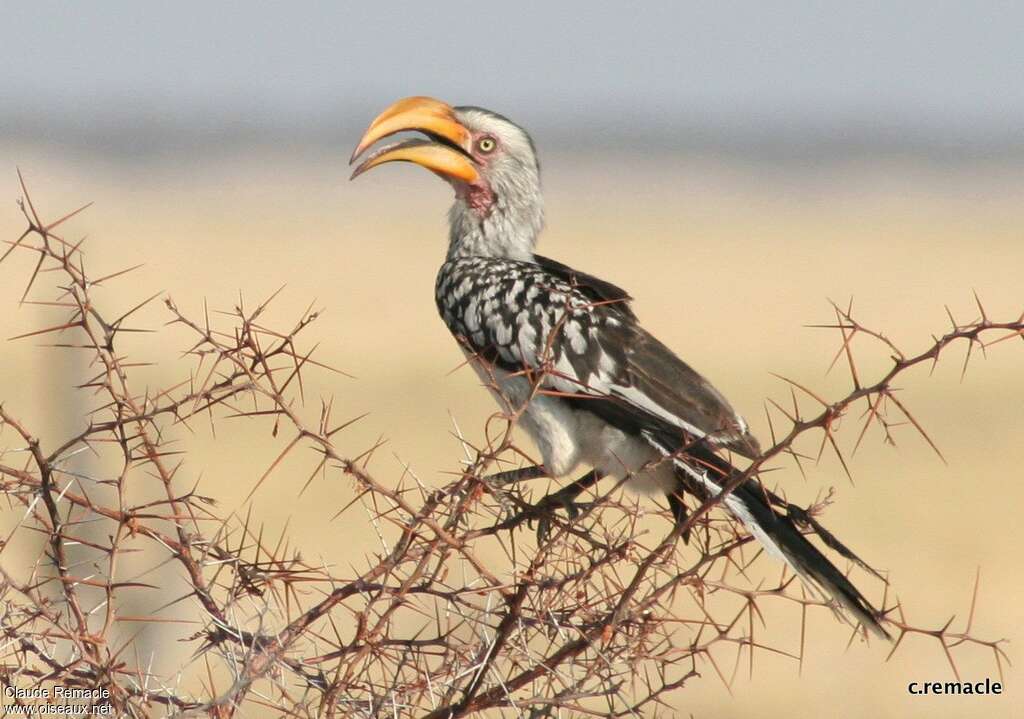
488, 160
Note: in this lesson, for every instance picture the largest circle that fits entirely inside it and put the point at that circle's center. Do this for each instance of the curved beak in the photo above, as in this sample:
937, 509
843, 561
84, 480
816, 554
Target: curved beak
446, 152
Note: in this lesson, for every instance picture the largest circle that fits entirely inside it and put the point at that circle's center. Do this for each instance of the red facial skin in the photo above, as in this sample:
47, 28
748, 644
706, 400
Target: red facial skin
479, 195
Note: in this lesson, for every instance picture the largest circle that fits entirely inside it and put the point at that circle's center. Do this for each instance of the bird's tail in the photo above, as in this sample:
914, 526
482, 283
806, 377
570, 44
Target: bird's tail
778, 533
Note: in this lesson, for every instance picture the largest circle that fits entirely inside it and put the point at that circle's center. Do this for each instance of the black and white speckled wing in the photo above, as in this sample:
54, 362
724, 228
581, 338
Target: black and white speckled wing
578, 335
582, 334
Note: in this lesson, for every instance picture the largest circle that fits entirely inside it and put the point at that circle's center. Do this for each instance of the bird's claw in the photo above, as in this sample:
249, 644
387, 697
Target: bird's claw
544, 512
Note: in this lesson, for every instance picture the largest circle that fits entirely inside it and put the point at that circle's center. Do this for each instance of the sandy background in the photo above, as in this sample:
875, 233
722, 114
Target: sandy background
728, 263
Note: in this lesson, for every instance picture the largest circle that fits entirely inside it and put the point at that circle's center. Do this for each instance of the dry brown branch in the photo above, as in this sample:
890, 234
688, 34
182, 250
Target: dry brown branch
608, 615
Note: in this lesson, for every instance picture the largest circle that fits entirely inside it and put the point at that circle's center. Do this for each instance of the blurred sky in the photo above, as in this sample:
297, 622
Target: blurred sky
940, 79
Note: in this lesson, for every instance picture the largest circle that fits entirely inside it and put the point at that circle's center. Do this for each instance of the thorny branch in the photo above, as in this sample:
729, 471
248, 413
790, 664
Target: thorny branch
600, 617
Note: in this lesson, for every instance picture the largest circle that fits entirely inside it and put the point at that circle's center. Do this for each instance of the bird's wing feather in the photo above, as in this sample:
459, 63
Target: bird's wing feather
656, 380
581, 332
594, 287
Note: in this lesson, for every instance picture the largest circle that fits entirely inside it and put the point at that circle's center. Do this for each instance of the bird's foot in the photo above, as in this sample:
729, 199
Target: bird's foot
564, 499
544, 511
497, 482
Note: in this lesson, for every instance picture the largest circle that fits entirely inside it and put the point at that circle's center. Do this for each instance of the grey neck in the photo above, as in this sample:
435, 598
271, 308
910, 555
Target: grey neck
509, 230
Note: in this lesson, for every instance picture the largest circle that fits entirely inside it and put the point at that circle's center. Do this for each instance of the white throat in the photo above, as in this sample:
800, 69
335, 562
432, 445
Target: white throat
509, 229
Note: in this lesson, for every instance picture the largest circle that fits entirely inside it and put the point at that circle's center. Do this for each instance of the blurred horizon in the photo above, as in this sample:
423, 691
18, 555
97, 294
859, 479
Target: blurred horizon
152, 136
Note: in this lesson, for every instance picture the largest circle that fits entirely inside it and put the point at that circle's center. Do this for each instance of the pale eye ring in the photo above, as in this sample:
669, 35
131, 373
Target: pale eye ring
486, 144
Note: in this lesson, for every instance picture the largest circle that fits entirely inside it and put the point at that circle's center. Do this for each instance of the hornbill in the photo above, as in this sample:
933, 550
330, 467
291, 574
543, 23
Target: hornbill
610, 395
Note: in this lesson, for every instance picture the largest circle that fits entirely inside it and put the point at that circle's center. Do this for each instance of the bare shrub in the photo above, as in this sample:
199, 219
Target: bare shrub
606, 616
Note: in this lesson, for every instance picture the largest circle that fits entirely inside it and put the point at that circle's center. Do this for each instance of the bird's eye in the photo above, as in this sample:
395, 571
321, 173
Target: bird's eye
486, 145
